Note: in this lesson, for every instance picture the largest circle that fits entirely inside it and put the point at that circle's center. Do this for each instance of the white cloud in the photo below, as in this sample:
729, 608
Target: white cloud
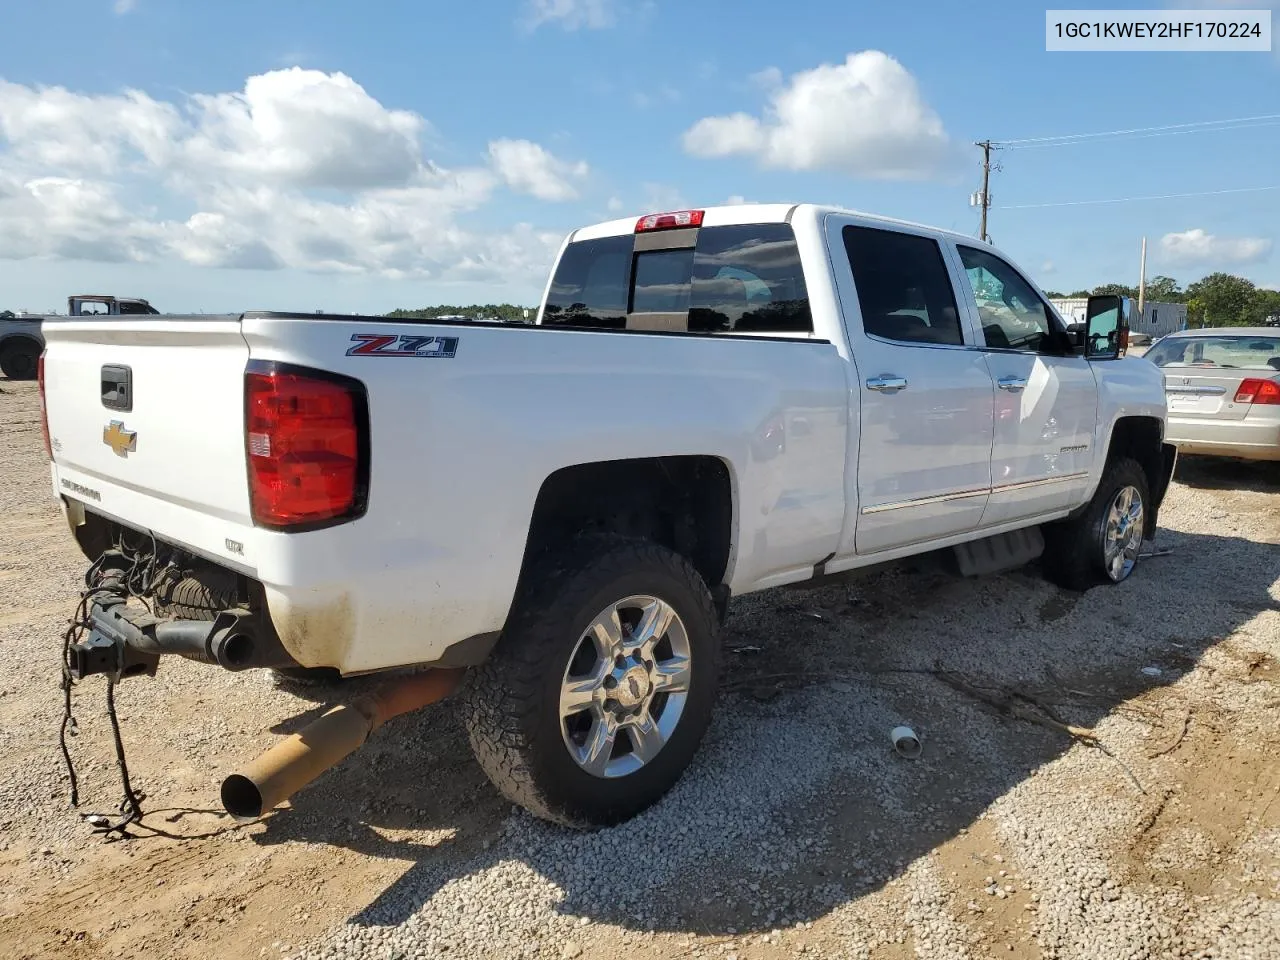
300, 169
529, 168
570, 14
70, 218
121, 7
614, 205
1048, 267
736, 200
294, 127
54, 129
306, 128
1197, 246
864, 117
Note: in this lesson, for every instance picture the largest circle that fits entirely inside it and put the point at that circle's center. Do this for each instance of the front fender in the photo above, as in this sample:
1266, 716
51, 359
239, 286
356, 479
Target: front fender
1128, 388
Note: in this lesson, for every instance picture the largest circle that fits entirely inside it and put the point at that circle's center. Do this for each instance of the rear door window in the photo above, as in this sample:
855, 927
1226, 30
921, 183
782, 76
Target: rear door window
735, 279
904, 290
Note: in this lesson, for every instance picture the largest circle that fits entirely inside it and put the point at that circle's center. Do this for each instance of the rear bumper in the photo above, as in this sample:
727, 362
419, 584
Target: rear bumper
123, 640
342, 598
1250, 438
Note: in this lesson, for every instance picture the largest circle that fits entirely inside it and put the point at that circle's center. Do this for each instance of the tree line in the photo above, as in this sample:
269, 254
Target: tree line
1218, 300
506, 312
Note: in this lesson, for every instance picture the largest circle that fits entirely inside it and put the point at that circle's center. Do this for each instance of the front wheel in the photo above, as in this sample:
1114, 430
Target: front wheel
599, 691
1102, 544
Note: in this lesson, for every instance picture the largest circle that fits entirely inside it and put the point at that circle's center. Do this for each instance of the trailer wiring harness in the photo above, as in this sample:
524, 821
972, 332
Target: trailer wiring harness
131, 570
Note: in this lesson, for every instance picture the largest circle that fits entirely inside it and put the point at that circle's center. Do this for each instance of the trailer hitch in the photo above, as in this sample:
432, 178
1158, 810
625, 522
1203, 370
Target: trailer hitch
126, 643
107, 649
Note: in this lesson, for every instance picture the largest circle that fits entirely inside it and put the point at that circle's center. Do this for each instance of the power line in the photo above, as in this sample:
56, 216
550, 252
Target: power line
1162, 196
1206, 126
1144, 136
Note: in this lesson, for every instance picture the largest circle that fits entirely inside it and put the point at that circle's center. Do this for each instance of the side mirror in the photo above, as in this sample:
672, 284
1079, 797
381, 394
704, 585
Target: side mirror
1106, 327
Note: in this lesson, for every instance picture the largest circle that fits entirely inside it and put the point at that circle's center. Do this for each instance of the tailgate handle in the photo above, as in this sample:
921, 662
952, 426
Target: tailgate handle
117, 387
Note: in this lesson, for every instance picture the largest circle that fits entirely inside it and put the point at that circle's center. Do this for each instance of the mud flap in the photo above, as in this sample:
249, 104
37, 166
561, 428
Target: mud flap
1168, 461
1004, 551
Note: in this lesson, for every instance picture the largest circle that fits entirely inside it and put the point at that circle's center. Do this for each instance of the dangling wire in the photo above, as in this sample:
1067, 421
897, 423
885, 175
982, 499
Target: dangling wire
79, 623
131, 805
137, 579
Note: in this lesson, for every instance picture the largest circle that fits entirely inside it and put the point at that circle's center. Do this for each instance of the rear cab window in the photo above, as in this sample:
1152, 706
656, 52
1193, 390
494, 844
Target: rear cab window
739, 279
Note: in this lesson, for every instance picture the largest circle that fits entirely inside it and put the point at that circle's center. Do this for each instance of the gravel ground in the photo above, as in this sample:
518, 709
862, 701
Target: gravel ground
798, 832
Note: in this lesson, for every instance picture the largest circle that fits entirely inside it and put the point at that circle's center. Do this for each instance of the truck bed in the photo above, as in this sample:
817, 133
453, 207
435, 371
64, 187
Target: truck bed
466, 422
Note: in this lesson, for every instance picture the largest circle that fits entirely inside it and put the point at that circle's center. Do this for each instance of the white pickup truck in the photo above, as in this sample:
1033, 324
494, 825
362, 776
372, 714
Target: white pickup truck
711, 402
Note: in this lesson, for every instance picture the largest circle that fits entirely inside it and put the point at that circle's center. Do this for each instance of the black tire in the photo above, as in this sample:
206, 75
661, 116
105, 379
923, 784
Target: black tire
200, 597
18, 361
511, 704
1075, 549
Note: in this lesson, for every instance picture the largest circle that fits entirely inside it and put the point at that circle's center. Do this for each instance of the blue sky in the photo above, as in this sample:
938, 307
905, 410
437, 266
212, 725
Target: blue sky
437, 152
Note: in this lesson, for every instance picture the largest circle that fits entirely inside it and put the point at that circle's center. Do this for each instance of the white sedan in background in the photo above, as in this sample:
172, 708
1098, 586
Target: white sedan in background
1223, 389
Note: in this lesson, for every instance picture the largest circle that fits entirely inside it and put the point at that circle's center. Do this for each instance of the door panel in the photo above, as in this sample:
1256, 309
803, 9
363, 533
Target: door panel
1045, 403
924, 464
1043, 434
926, 405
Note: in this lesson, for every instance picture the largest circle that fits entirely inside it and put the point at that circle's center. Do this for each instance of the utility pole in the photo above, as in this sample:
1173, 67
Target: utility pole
983, 199
1142, 278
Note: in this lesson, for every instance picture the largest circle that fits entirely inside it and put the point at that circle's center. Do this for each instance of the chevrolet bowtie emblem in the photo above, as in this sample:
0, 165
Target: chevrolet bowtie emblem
122, 441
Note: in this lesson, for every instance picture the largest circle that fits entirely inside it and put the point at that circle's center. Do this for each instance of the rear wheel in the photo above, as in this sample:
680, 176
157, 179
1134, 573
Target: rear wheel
1101, 544
601, 687
18, 361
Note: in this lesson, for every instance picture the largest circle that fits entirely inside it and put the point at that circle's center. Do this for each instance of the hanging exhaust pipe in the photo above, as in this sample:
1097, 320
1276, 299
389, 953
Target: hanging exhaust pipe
324, 743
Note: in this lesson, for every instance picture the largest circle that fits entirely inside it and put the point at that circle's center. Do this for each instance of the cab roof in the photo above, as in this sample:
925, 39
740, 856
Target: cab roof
740, 213
1226, 332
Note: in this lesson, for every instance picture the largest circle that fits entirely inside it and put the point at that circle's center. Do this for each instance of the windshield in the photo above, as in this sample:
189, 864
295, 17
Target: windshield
1250, 353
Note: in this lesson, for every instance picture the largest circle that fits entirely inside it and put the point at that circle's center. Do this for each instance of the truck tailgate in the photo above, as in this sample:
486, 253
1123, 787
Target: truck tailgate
146, 425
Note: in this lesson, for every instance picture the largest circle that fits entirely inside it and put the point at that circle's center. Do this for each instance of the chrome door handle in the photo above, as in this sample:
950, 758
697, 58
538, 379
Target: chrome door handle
887, 383
1012, 383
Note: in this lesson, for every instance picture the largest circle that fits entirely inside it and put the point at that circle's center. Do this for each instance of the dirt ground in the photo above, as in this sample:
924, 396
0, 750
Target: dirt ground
798, 832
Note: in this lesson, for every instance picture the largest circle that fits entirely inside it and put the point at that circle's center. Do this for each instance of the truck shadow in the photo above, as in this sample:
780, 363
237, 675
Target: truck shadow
796, 803
1219, 473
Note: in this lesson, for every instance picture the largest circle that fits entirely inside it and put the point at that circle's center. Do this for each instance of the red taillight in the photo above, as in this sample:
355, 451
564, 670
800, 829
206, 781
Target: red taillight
306, 437
1257, 390
669, 221
44, 408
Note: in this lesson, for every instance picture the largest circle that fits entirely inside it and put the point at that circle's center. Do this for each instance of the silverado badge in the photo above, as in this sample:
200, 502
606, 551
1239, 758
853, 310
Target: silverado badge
122, 441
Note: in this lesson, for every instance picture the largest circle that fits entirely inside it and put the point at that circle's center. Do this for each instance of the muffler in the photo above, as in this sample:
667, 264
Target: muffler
324, 743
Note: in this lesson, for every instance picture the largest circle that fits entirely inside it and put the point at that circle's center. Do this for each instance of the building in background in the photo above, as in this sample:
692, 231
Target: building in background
1157, 318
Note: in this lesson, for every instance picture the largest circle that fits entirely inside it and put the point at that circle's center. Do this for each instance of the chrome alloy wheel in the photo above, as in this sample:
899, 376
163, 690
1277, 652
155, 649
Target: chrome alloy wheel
625, 687
1122, 534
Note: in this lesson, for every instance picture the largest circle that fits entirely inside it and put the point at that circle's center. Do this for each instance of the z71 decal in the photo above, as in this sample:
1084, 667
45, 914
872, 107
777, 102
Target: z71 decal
397, 345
